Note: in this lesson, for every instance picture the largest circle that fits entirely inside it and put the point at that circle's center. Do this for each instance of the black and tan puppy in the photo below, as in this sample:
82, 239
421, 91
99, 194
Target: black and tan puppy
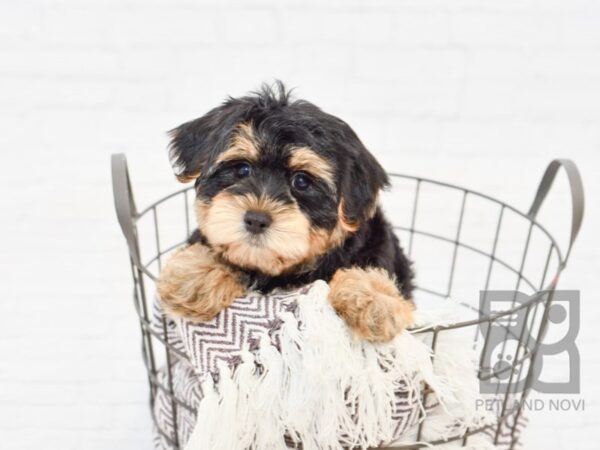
286, 194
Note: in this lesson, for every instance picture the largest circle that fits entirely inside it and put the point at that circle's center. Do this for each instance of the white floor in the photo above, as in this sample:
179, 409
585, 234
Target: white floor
482, 94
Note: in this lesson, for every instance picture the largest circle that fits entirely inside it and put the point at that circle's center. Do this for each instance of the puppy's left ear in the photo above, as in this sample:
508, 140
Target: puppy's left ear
197, 142
363, 180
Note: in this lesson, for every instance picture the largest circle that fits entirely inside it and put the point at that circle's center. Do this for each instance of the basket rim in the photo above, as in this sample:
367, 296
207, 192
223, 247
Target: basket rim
537, 296
418, 179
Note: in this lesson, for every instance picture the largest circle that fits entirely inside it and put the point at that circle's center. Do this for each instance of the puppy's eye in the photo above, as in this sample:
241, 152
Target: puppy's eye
241, 170
301, 181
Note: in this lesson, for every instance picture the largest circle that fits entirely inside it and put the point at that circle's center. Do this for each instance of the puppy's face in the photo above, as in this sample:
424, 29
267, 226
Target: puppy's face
278, 183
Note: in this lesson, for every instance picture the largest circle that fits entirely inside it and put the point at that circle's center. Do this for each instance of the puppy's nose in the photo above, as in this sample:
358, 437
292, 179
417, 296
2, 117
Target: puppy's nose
257, 221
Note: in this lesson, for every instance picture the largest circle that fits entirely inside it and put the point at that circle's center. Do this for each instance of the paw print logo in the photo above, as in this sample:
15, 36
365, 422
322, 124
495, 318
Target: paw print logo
534, 332
503, 367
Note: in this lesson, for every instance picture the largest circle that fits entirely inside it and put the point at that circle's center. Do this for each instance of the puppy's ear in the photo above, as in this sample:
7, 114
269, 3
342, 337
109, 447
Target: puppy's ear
197, 142
361, 183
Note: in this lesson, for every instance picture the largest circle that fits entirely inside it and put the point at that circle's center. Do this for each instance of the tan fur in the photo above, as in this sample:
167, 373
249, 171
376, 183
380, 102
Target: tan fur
343, 221
243, 146
322, 240
370, 303
289, 242
352, 227
307, 160
187, 178
194, 285
285, 244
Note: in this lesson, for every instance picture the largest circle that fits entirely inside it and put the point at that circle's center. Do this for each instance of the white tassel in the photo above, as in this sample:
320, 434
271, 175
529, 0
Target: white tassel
245, 380
295, 409
328, 361
203, 433
266, 399
226, 428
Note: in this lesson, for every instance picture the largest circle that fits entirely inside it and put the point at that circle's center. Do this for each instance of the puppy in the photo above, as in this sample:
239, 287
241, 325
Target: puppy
286, 194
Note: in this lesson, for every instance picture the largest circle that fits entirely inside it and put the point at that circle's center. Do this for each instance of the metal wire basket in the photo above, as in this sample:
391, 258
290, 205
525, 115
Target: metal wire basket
487, 244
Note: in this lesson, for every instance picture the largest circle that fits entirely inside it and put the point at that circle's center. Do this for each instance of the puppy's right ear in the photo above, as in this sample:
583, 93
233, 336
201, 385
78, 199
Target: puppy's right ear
199, 141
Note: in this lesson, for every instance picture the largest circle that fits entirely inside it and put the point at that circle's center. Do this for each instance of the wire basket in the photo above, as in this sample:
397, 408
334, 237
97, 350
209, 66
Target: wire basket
486, 245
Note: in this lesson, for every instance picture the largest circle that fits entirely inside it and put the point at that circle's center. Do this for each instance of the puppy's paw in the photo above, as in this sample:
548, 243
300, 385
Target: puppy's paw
370, 303
194, 285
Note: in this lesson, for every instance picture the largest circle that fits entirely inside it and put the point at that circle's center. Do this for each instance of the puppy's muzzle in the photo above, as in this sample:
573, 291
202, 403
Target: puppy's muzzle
257, 222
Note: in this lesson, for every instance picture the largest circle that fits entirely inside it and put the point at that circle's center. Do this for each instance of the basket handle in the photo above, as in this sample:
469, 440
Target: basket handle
577, 196
124, 203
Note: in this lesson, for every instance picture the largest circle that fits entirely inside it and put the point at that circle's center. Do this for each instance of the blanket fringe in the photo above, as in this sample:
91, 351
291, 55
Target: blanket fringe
328, 390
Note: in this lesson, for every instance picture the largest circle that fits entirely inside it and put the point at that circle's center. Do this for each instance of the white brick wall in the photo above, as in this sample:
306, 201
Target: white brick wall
478, 92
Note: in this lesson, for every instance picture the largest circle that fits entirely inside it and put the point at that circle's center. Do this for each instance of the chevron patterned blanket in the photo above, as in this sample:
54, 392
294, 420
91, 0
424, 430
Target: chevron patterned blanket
282, 371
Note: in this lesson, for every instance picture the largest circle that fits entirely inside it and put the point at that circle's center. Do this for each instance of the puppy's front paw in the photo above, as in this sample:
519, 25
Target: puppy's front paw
370, 303
194, 285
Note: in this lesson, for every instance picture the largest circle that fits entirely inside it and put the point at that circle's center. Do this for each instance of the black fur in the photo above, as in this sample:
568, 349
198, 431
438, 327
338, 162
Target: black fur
280, 124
